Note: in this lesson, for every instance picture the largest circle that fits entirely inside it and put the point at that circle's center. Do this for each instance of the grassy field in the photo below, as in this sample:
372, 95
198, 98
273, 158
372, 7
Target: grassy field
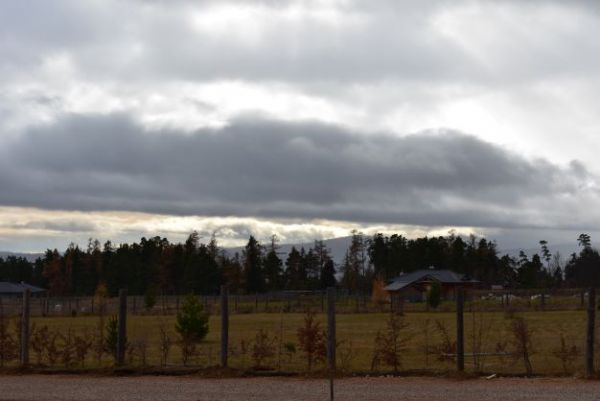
356, 334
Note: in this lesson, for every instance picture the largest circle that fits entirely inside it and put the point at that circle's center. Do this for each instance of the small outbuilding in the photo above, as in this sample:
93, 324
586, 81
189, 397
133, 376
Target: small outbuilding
415, 286
8, 289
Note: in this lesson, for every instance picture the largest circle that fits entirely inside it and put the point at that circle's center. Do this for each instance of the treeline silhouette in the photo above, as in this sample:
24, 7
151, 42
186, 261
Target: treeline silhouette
157, 266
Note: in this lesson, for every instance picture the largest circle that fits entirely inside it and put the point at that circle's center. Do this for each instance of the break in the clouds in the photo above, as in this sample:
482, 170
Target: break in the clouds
321, 115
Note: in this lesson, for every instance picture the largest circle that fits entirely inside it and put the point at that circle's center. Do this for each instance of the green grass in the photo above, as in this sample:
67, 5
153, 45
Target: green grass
356, 333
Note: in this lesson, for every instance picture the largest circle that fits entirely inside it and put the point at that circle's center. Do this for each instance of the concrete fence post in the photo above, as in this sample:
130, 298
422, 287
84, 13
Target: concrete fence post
460, 330
224, 325
25, 327
591, 327
122, 327
331, 340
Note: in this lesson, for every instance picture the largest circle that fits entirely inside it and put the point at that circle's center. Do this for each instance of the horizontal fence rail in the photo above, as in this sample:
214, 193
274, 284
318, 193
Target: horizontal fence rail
298, 302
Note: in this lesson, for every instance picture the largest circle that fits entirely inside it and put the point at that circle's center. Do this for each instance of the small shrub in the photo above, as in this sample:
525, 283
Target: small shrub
82, 345
523, 346
346, 354
390, 344
481, 329
434, 296
53, 350
192, 326
244, 350
290, 350
98, 340
446, 348
263, 348
138, 350
67, 352
312, 340
111, 337
38, 341
9, 346
566, 353
165, 344
192, 321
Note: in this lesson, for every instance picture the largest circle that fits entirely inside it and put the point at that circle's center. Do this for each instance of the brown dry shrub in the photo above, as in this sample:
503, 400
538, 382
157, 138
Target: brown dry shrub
312, 340
522, 342
445, 349
9, 345
263, 348
567, 353
81, 346
391, 343
165, 344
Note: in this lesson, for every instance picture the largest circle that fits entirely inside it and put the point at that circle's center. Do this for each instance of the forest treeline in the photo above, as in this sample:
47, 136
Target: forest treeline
158, 266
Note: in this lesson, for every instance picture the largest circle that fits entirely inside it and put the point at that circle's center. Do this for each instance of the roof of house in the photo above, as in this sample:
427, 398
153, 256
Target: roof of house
442, 276
18, 288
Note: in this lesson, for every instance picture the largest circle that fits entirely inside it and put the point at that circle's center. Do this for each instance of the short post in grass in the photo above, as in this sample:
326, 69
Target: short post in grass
591, 327
224, 325
25, 327
460, 330
331, 337
122, 327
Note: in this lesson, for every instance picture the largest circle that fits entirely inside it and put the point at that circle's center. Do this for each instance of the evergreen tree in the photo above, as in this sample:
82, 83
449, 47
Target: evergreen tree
327, 278
253, 269
273, 267
295, 276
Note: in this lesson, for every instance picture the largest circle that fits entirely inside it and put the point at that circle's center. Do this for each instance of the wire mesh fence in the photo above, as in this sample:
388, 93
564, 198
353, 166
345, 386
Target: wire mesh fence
264, 333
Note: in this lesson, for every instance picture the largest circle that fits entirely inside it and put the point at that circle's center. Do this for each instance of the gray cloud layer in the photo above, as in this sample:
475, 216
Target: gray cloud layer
290, 170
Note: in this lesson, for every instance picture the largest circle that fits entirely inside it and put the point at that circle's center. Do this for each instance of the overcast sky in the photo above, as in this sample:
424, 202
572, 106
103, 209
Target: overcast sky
304, 119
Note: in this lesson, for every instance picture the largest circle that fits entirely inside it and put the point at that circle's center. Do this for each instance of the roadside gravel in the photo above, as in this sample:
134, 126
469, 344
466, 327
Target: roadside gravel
149, 388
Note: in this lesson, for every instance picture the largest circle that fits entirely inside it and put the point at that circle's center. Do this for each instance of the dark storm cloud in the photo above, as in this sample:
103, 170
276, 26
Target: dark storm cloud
282, 170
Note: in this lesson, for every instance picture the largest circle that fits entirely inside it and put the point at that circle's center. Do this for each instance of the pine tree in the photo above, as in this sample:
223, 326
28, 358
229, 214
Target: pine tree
253, 269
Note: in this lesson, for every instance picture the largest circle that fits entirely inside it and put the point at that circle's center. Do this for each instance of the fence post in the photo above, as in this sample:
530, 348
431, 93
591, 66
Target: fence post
122, 327
331, 342
543, 300
25, 327
460, 343
591, 326
224, 325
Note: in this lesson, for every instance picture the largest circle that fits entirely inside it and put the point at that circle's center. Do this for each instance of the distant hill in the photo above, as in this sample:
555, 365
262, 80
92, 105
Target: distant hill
337, 247
29, 256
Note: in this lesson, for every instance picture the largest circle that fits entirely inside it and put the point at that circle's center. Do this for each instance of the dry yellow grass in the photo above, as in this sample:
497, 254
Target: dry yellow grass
356, 333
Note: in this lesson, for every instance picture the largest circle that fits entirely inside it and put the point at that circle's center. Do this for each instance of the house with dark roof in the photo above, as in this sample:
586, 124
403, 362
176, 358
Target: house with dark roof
16, 289
415, 286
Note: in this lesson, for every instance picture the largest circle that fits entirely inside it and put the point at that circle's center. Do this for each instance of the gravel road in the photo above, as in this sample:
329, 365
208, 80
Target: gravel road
360, 389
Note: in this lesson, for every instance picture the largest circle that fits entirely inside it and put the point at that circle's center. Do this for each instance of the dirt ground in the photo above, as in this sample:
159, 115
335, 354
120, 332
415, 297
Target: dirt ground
35, 387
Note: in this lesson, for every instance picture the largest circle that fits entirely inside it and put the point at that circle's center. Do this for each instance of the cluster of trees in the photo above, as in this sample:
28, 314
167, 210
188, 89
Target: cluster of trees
156, 265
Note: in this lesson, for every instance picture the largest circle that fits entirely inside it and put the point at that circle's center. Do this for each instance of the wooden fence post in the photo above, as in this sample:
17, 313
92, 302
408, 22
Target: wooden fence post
331, 341
460, 330
122, 327
591, 326
224, 325
25, 327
